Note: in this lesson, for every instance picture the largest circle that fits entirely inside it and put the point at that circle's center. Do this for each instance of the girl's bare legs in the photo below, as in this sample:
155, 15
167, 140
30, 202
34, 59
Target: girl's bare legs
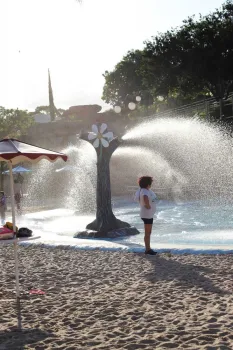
148, 229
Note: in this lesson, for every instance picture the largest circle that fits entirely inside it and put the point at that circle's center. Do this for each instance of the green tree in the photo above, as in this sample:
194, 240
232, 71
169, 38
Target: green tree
52, 109
41, 109
13, 123
46, 110
182, 64
125, 80
199, 54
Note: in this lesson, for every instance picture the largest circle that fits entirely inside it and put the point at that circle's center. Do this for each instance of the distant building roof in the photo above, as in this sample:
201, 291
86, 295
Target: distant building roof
82, 110
42, 118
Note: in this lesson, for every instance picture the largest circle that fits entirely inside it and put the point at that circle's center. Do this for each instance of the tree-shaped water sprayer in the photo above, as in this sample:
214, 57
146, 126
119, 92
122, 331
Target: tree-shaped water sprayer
105, 224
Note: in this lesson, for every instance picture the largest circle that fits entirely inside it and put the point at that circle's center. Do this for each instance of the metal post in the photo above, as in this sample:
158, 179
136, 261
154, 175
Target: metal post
221, 108
15, 246
232, 104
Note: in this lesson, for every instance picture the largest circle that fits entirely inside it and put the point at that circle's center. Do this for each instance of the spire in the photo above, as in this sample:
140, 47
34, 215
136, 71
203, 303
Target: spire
52, 108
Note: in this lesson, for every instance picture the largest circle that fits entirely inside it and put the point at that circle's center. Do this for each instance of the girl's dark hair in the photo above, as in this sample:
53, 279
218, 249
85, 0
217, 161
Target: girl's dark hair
145, 181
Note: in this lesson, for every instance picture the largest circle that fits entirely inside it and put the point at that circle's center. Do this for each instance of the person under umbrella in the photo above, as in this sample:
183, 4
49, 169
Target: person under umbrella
18, 195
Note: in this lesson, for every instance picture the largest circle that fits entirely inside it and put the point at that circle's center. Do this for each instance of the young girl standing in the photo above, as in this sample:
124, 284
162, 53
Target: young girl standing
146, 199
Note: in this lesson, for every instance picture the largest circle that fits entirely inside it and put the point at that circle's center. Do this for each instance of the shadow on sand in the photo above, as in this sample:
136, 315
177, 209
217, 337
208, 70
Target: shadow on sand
17, 340
166, 267
186, 275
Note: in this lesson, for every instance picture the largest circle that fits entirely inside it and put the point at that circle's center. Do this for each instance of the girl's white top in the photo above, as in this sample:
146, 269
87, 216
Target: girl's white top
144, 212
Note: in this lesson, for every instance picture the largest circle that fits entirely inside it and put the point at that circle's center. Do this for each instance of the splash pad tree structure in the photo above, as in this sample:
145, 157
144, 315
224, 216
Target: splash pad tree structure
105, 224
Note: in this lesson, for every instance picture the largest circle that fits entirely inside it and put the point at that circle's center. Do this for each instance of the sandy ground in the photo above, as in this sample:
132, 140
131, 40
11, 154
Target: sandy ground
105, 300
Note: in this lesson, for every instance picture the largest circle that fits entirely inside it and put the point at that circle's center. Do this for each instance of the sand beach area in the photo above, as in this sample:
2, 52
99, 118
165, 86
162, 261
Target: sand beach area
106, 300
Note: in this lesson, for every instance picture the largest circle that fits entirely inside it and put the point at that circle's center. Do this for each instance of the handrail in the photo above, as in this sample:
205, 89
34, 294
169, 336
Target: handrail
183, 188
190, 107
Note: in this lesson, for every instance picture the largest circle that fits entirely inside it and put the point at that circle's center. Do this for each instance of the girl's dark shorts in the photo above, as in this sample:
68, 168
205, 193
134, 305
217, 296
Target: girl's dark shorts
148, 221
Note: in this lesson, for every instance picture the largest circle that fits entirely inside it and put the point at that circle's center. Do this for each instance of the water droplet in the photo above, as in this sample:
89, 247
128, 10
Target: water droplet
117, 109
160, 98
132, 106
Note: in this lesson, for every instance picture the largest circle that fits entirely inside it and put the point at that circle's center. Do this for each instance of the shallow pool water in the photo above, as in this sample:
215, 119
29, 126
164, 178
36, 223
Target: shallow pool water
179, 226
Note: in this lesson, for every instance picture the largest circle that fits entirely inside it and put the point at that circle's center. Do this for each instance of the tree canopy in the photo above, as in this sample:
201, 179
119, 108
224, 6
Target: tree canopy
187, 62
14, 122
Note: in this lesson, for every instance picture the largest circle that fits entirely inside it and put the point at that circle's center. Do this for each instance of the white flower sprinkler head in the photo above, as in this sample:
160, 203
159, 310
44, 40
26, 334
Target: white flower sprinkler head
100, 138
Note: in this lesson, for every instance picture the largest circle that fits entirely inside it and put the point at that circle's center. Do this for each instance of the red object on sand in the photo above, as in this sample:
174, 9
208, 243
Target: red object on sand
36, 291
6, 233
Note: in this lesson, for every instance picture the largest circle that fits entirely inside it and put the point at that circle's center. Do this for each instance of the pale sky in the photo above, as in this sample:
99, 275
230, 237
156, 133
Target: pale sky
77, 42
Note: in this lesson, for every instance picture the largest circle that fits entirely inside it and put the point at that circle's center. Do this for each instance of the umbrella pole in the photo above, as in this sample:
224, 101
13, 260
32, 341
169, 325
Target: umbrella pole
15, 246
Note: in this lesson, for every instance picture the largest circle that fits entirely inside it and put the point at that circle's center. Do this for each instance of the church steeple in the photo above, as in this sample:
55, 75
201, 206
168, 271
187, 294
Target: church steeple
52, 108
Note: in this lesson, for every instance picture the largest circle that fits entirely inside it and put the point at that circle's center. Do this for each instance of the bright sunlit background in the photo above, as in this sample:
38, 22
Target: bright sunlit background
77, 42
